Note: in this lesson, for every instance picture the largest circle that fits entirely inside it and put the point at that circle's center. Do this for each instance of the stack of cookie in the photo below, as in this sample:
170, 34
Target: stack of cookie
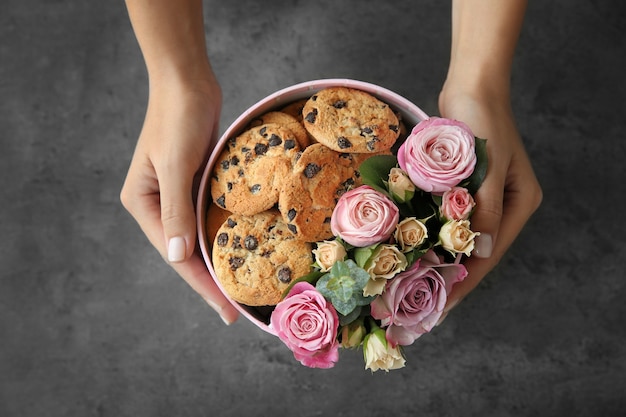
275, 185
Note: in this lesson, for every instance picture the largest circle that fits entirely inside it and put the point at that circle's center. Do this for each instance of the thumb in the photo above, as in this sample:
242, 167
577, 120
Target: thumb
487, 215
485, 220
177, 213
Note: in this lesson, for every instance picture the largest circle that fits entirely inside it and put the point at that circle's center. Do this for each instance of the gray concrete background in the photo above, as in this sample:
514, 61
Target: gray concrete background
93, 323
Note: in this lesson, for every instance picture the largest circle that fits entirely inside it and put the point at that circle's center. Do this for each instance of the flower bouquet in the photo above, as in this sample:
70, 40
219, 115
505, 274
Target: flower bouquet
398, 238
383, 281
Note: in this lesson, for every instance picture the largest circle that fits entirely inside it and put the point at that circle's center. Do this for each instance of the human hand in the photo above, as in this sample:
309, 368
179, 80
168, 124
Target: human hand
510, 193
160, 186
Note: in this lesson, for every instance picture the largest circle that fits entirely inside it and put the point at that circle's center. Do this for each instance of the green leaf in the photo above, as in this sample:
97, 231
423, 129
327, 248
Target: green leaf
361, 255
312, 277
475, 180
375, 171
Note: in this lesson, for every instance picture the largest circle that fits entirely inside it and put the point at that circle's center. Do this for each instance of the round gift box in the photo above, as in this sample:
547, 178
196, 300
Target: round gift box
410, 113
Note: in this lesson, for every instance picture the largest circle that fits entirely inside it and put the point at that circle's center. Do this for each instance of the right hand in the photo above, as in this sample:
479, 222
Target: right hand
160, 187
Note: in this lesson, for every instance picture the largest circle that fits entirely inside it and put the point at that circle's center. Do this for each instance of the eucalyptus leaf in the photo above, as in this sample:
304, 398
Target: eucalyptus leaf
343, 286
350, 317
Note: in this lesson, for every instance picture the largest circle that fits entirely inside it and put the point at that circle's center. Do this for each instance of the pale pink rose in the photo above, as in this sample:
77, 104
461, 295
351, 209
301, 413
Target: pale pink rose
364, 216
438, 154
457, 204
413, 300
308, 324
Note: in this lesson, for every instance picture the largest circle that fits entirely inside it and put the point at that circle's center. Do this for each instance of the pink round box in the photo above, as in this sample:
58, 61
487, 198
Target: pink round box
411, 115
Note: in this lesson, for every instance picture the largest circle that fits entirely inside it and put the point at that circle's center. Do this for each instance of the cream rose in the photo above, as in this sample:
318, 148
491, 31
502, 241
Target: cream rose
327, 253
386, 261
400, 185
410, 233
379, 354
457, 237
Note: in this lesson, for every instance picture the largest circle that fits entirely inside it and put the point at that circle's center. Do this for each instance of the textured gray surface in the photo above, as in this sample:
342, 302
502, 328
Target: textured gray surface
93, 323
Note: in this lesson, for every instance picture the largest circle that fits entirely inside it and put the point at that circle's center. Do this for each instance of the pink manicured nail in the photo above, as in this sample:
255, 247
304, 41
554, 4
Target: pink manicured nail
483, 245
176, 249
219, 310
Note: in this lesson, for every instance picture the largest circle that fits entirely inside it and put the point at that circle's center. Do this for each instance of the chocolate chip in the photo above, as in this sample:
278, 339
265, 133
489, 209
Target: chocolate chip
250, 242
311, 116
293, 228
291, 214
241, 173
231, 223
260, 148
275, 140
245, 149
348, 183
371, 145
343, 142
229, 186
290, 144
255, 188
225, 164
221, 201
235, 263
284, 275
326, 220
263, 131
339, 104
232, 142
314, 98
347, 156
394, 128
236, 242
366, 131
234, 160
311, 170
222, 239
266, 253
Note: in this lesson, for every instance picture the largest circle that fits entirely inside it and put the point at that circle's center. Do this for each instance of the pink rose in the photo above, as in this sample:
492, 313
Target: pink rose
438, 154
413, 300
364, 216
308, 325
457, 204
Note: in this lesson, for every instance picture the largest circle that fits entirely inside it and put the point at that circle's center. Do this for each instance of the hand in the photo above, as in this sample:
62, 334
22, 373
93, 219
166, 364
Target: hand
510, 193
159, 190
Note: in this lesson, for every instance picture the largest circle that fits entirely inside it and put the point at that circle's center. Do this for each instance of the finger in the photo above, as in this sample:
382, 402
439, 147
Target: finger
488, 213
195, 272
522, 198
177, 208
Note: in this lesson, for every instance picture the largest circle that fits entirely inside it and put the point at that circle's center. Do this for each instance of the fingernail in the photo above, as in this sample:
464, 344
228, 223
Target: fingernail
219, 310
176, 249
451, 305
483, 245
442, 318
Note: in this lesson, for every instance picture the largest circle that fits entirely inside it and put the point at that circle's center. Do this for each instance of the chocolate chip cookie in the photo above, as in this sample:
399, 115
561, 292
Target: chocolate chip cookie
309, 194
350, 120
256, 257
285, 120
247, 176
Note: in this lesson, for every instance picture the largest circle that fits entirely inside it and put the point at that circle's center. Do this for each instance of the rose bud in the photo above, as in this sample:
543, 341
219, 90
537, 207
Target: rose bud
327, 253
457, 237
410, 233
400, 185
